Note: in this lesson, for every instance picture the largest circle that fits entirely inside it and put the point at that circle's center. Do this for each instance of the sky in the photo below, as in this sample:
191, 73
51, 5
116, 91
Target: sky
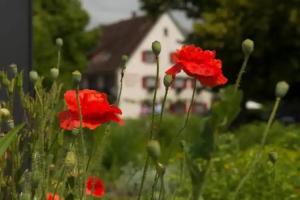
108, 11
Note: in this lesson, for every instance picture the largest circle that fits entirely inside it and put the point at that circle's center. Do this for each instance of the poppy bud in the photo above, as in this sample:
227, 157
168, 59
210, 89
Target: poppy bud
33, 75
248, 46
156, 47
54, 72
76, 76
4, 113
282, 88
59, 42
10, 123
273, 157
168, 79
160, 169
153, 149
70, 159
124, 60
14, 68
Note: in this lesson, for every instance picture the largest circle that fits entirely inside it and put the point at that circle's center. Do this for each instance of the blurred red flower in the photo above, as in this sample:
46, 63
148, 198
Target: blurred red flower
94, 187
50, 196
200, 64
95, 110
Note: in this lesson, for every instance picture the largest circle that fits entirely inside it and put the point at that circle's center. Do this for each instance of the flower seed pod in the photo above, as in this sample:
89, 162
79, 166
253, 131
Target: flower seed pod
54, 73
273, 157
156, 47
168, 79
59, 42
70, 159
282, 88
4, 113
248, 46
76, 76
153, 149
33, 75
14, 69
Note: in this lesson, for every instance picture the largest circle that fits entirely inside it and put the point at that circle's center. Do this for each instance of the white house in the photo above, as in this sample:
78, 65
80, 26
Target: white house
134, 38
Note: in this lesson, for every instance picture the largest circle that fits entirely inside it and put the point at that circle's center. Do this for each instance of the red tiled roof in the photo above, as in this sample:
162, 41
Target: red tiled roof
117, 39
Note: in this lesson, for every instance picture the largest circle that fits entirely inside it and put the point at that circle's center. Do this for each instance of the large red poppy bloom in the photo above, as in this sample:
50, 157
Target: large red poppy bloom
51, 196
200, 64
95, 110
94, 187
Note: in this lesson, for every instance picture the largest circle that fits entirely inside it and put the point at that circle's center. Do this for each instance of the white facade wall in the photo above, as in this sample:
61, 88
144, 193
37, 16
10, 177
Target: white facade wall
133, 92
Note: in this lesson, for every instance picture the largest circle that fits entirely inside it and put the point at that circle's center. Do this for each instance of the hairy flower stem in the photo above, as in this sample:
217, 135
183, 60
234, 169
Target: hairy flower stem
121, 87
260, 150
151, 128
163, 108
241, 72
58, 58
82, 138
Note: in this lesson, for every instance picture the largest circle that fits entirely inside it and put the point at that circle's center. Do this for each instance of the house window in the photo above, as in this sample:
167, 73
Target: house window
146, 108
149, 82
172, 57
200, 108
148, 56
179, 83
178, 107
166, 32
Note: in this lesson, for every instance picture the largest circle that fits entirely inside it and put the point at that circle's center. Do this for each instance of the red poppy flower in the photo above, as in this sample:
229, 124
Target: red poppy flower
95, 110
200, 64
94, 187
50, 196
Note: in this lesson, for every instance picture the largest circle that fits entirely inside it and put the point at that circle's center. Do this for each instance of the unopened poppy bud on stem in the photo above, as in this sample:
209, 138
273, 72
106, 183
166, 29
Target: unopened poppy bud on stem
282, 88
4, 113
124, 60
54, 73
34, 76
160, 169
156, 47
248, 46
76, 76
168, 79
153, 149
59, 42
14, 68
70, 159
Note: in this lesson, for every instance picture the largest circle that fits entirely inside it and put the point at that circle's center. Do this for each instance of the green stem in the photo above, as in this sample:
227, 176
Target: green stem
260, 150
151, 128
154, 186
241, 72
82, 138
121, 87
163, 107
58, 58
162, 188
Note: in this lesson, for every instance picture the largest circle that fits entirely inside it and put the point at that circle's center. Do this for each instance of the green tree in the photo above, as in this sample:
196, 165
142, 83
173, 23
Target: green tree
65, 19
272, 24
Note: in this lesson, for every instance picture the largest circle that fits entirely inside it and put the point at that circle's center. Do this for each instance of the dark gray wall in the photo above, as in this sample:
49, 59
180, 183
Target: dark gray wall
15, 35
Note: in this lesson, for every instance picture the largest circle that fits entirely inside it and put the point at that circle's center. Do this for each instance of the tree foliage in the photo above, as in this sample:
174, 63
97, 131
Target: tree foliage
65, 19
272, 24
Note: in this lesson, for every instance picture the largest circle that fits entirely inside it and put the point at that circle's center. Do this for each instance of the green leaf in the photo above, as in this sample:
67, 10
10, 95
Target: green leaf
9, 138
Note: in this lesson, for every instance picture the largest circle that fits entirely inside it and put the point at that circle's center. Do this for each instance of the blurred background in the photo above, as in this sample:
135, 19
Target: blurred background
96, 33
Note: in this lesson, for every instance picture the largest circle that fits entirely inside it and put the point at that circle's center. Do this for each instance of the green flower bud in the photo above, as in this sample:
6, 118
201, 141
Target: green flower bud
273, 157
160, 169
156, 47
76, 76
59, 42
153, 149
248, 46
33, 75
54, 73
124, 60
14, 68
282, 88
10, 123
4, 113
168, 79
70, 159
